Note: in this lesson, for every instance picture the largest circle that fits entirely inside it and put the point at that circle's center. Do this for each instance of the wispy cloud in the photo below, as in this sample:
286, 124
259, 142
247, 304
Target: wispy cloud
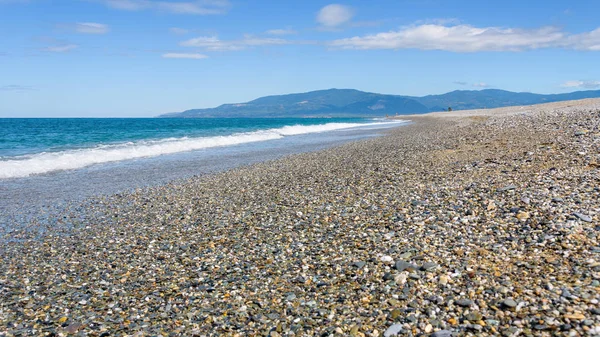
16, 87
480, 85
465, 38
581, 84
178, 31
201, 7
63, 48
91, 28
212, 43
460, 82
194, 56
333, 16
585, 41
287, 31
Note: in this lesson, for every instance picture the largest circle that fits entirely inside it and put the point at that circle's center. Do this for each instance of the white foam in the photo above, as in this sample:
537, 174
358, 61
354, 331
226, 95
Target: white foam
73, 159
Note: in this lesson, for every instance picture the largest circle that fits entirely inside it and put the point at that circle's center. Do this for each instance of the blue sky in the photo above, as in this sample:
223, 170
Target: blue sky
138, 58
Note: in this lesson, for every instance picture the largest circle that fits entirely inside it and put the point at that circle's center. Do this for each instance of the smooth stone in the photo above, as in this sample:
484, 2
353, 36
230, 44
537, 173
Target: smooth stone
393, 330
473, 316
507, 188
388, 277
429, 266
475, 327
359, 264
492, 322
291, 297
509, 302
595, 311
405, 256
414, 276
583, 217
403, 265
443, 333
463, 302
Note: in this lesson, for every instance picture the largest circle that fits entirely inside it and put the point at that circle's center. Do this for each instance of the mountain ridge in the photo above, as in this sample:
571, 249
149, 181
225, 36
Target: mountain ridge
356, 103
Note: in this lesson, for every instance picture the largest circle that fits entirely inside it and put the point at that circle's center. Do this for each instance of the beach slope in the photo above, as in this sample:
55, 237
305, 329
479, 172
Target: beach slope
481, 222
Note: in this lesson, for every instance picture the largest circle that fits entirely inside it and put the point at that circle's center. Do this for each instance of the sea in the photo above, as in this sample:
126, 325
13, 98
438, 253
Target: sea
49, 163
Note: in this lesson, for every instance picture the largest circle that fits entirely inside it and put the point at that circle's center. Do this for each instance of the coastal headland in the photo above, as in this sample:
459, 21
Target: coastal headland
479, 222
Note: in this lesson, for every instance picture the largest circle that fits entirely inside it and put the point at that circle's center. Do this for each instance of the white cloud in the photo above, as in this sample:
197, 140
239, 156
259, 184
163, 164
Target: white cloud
481, 85
178, 31
585, 41
91, 28
194, 56
60, 48
212, 43
199, 7
286, 31
581, 84
334, 15
459, 38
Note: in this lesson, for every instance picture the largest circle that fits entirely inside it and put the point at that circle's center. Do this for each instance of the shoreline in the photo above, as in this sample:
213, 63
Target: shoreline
441, 226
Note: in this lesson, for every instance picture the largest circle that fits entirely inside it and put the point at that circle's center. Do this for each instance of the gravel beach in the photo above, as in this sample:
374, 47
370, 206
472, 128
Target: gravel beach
482, 223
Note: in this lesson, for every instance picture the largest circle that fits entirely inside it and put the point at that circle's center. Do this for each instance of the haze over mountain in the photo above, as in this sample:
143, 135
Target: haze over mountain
355, 103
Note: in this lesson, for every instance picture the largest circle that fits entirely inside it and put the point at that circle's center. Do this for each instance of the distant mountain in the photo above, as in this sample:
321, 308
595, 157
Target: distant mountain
355, 103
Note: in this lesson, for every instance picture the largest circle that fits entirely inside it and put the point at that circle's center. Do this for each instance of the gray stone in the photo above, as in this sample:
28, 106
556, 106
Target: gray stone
507, 188
429, 266
583, 217
403, 265
509, 303
443, 333
393, 330
388, 277
359, 264
463, 302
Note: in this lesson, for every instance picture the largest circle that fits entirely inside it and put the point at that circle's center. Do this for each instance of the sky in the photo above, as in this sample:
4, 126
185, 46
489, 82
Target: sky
142, 58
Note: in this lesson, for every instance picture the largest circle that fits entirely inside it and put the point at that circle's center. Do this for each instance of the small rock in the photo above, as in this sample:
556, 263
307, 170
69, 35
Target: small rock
386, 259
507, 188
583, 217
429, 266
473, 316
463, 302
359, 264
443, 333
509, 303
393, 330
388, 277
428, 328
403, 265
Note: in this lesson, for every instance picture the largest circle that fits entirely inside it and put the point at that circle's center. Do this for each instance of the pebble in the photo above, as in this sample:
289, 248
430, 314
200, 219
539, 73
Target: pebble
464, 302
403, 265
443, 333
583, 217
393, 330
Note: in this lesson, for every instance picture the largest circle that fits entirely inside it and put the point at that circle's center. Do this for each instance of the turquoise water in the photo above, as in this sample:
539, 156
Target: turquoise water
37, 146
